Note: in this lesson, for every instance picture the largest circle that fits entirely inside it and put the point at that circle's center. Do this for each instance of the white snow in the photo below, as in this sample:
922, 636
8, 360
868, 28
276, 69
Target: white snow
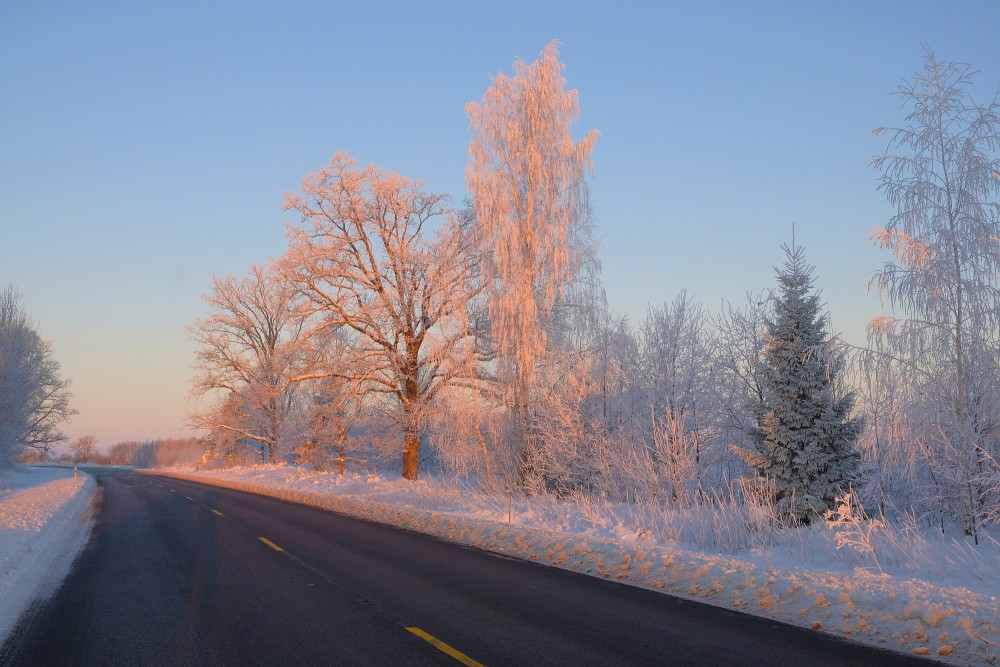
938, 598
42, 528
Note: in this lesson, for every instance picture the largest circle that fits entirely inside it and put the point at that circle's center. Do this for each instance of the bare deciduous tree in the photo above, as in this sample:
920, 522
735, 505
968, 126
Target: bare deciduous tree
365, 261
84, 449
942, 174
250, 354
34, 398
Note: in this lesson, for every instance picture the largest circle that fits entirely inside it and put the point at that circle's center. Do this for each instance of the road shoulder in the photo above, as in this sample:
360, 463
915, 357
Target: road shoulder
43, 526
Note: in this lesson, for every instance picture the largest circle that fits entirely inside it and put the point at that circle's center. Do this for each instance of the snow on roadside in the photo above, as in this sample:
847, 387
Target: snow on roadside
950, 623
42, 528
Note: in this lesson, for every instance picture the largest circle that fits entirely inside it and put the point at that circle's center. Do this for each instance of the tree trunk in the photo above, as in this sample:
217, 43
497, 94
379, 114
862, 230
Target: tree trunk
341, 442
411, 414
411, 452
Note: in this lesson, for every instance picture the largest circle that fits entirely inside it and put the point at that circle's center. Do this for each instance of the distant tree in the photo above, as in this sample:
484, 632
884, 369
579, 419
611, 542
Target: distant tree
529, 203
32, 456
168, 453
123, 453
367, 265
85, 449
250, 355
34, 398
804, 433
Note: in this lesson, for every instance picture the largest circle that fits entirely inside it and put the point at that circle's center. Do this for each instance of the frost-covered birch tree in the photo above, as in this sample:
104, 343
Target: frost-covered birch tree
34, 398
941, 172
804, 433
369, 263
526, 174
249, 355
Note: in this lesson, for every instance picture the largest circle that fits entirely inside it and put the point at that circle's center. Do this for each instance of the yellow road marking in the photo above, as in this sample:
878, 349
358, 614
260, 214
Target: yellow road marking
270, 543
189, 498
172, 491
441, 646
217, 512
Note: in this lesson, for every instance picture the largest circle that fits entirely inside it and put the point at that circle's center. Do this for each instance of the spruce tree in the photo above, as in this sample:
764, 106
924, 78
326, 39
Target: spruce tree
804, 433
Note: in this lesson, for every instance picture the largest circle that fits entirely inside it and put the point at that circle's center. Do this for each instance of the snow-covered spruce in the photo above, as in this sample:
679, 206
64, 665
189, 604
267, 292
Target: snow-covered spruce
804, 434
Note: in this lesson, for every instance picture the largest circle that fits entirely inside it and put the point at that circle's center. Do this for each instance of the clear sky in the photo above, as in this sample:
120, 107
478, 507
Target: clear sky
146, 146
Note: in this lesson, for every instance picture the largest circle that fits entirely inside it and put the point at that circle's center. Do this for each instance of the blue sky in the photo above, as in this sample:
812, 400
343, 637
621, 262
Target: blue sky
145, 147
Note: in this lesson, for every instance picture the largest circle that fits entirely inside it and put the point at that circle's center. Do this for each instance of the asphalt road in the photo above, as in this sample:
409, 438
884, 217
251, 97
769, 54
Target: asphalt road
179, 573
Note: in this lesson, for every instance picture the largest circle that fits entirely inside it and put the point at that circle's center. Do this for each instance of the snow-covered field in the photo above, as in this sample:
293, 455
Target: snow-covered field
936, 597
42, 528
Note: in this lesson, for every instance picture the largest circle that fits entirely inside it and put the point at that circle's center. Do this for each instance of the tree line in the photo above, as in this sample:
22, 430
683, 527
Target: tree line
476, 338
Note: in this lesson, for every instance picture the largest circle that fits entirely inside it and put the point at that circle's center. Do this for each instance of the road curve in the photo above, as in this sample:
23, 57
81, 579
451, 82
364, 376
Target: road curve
180, 573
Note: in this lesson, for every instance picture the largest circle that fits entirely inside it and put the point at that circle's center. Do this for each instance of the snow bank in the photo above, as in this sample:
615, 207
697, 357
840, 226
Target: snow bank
948, 622
42, 528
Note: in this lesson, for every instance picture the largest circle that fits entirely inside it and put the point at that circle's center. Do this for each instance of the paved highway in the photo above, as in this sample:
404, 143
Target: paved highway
179, 573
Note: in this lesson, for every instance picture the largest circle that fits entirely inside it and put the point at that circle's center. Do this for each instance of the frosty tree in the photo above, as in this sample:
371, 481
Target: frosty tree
34, 398
366, 261
941, 173
526, 175
329, 399
739, 338
804, 434
249, 355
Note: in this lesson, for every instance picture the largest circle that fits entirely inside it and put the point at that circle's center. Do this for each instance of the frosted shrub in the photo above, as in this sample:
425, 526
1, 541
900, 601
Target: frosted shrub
898, 544
675, 451
854, 529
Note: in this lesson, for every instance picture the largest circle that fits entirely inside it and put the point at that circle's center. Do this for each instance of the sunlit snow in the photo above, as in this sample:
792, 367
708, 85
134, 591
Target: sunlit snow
42, 527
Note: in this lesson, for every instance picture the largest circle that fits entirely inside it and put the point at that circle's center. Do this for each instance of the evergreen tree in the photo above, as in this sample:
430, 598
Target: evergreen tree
803, 433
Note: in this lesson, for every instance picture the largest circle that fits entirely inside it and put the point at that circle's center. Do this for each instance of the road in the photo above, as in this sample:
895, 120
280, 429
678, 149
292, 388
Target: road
180, 573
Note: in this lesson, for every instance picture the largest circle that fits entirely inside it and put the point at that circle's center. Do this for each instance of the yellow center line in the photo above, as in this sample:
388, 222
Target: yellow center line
172, 491
441, 646
217, 512
270, 543
189, 498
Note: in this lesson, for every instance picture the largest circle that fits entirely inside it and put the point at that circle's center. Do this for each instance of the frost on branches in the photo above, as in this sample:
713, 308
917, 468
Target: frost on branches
366, 263
249, 355
937, 365
526, 176
804, 434
34, 398
529, 199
